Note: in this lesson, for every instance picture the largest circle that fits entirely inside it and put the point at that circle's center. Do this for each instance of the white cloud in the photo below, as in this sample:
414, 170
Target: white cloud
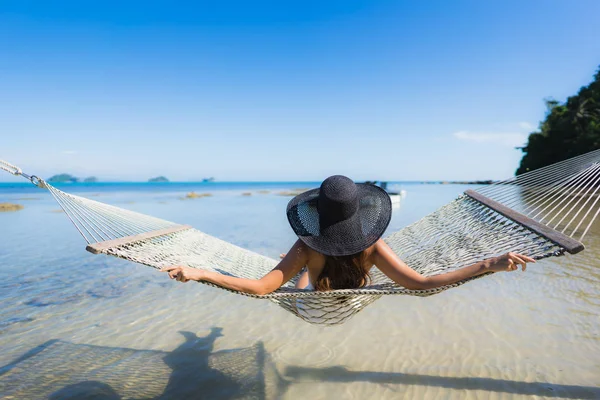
69, 152
526, 126
506, 139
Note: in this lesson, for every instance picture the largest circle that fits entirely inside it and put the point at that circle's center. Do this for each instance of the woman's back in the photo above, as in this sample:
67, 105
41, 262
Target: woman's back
327, 272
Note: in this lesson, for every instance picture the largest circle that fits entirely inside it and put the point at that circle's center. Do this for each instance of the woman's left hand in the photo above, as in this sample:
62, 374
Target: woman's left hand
182, 273
509, 262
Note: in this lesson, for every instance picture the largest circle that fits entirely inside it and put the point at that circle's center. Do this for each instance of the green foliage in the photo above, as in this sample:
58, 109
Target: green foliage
570, 129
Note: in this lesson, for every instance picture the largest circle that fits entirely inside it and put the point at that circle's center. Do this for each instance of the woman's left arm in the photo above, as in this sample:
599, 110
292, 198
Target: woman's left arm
387, 261
287, 268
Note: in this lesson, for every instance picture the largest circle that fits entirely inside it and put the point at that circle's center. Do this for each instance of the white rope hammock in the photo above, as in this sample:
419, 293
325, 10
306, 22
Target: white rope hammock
542, 213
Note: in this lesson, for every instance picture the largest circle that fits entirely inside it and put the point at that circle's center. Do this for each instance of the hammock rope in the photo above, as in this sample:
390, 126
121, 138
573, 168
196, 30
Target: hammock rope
543, 213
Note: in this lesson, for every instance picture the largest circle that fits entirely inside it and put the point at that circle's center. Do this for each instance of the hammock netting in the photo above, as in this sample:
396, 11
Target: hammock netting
543, 213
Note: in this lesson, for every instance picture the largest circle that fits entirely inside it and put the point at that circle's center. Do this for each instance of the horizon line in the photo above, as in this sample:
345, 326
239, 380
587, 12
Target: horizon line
268, 181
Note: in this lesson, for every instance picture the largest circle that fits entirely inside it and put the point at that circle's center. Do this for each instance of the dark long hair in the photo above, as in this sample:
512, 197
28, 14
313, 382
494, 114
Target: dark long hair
344, 272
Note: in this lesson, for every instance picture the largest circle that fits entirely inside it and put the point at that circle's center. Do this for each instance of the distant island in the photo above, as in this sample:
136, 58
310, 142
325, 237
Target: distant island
68, 178
63, 178
211, 179
158, 179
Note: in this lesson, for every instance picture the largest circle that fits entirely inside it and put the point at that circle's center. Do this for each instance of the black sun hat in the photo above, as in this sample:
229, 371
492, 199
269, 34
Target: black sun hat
341, 217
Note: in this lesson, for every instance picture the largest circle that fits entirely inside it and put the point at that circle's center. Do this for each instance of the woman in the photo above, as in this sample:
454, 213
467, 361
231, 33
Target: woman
339, 228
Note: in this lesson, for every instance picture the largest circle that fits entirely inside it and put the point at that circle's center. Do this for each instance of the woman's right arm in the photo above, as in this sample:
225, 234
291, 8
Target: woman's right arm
287, 268
389, 263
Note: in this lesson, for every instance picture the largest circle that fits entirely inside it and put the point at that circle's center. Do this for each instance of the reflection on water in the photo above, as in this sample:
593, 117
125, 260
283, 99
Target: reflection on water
513, 334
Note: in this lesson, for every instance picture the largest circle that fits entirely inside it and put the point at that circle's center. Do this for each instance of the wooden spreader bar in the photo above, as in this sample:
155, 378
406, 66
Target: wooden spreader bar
99, 247
569, 244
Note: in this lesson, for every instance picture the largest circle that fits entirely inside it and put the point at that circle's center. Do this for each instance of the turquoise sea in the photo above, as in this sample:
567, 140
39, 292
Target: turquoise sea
73, 324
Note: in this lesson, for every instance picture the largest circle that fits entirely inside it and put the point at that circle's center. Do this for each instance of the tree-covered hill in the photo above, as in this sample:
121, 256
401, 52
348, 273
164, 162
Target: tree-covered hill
62, 178
158, 179
570, 129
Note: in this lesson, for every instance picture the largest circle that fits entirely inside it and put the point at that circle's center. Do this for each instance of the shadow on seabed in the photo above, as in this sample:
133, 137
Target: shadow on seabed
63, 370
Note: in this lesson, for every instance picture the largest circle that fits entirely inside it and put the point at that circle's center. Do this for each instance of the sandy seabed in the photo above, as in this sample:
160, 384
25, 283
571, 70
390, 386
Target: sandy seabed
75, 325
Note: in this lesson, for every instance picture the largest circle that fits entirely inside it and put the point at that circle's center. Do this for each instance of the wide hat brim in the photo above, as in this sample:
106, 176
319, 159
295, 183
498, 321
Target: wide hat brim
346, 237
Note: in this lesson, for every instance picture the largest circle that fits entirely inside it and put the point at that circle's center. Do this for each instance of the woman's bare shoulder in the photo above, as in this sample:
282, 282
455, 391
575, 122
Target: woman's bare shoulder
314, 258
380, 249
312, 253
300, 249
380, 243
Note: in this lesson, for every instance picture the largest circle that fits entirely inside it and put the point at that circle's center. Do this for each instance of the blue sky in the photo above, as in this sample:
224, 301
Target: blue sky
285, 90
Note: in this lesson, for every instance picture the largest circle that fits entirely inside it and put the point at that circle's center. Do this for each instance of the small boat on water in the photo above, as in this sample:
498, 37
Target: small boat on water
396, 194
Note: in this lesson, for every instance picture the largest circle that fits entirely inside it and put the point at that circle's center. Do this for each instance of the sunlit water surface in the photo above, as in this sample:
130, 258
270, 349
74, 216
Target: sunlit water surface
73, 324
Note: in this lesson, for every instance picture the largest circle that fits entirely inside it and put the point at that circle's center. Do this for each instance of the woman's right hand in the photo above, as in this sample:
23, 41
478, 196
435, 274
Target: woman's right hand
183, 273
509, 262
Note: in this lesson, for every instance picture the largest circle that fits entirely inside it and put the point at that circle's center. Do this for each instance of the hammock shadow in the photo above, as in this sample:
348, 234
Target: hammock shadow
341, 374
66, 371
63, 370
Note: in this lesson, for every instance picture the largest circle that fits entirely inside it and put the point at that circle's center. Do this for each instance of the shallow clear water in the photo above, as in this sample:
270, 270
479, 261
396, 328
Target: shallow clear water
73, 323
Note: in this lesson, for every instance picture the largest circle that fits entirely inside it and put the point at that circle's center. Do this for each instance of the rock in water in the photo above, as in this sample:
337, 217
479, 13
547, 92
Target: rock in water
10, 207
194, 195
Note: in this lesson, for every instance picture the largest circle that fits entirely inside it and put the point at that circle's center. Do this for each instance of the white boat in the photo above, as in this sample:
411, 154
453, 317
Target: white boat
396, 194
397, 197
